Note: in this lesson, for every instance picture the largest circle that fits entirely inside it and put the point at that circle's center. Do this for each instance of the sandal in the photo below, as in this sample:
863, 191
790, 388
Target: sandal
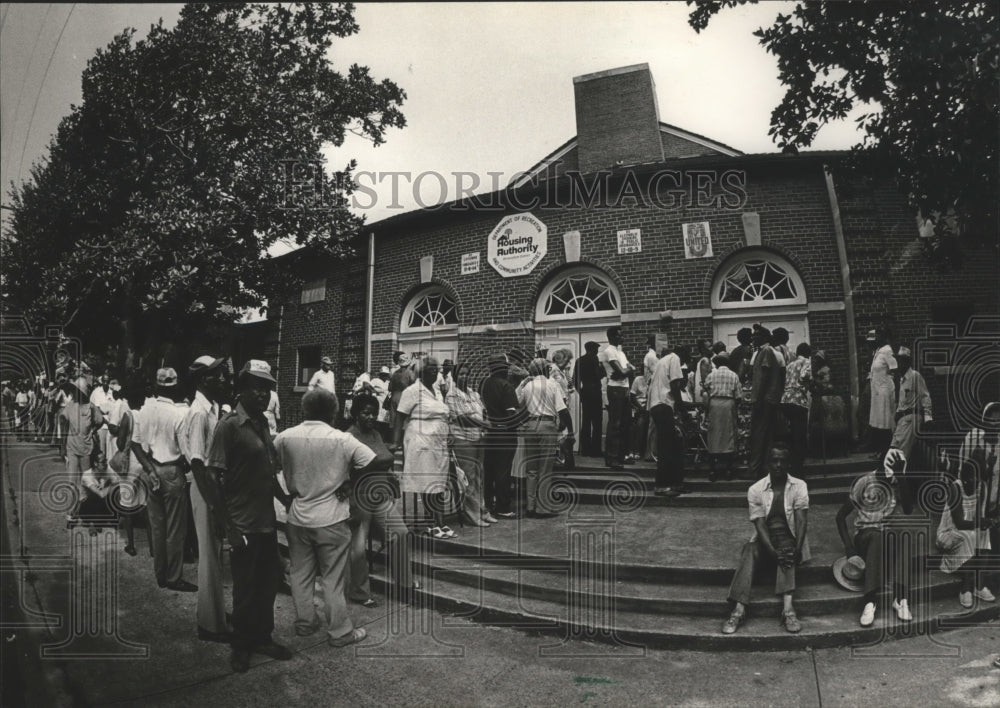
370, 603
435, 532
352, 637
448, 533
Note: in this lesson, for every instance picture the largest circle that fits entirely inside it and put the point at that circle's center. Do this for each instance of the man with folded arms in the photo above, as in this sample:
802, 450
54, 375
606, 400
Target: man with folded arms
156, 442
243, 460
317, 461
208, 377
779, 504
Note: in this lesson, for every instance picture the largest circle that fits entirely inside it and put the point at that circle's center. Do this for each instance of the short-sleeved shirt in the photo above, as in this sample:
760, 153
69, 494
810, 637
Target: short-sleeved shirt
611, 353
242, 451
158, 429
649, 364
198, 428
668, 369
874, 500
316, 460
83, 419
723, 383
498, 396
796, 497
799, 372
541, 395
639, 389
324, 379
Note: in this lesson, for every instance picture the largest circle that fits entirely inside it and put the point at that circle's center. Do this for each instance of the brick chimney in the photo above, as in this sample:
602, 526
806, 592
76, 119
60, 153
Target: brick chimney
617, 120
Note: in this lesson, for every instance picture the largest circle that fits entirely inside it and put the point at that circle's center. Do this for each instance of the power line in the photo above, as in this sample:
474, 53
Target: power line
24, 79
31, 121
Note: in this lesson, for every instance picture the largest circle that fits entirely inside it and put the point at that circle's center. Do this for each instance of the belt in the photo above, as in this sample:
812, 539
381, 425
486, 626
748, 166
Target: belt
551, 418
179, 462
904, 413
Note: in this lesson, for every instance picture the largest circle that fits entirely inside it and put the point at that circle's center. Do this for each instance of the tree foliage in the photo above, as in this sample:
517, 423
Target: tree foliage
163, 189
926, 74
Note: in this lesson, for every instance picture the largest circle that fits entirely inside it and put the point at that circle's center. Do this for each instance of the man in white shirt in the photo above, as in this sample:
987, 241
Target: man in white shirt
324, 378
618, 369
273, 412
208, 377
318, 461
102, 397
156, 442
545, 407
663, 398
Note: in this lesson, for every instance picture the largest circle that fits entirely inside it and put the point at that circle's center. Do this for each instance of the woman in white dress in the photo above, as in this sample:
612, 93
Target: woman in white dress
420, 427
882, 417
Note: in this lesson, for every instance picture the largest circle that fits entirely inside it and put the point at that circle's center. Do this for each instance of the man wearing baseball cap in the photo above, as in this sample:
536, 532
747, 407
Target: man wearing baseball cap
324, 378
243, 460
207, 375
156, 442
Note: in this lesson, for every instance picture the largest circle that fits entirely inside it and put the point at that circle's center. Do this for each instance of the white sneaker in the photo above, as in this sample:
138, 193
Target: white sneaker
902, 610
985, 595
965, 599
868, 616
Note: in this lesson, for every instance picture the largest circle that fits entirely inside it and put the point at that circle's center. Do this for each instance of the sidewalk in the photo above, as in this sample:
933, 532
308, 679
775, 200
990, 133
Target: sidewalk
422, 657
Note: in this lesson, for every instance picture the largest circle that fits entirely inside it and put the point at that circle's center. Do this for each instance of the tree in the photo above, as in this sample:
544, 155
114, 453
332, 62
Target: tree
186, 160
926, 73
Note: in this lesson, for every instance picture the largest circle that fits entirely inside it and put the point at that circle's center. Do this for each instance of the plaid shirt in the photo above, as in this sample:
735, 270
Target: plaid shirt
723, 383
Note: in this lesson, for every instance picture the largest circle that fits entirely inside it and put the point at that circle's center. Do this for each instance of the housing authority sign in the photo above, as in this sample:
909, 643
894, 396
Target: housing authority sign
517, 244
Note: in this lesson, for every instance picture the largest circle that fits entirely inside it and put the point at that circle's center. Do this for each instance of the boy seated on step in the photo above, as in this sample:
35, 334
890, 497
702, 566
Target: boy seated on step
779, 505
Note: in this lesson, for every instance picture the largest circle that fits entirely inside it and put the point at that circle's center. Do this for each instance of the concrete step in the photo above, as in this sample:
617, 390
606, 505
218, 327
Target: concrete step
629, 494
812, 467
608, 623
573, 585
599, 479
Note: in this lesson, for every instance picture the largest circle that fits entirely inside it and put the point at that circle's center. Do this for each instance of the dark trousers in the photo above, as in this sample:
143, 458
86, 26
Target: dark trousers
499, 456
639, 431
168, 523
617, 437
753, 557
798, 433
882, 554
592, 417
256, 578
880, 439
669, 447
762, 423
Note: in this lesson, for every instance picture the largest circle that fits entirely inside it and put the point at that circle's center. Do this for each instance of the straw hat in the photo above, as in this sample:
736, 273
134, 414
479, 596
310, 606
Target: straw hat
850, 573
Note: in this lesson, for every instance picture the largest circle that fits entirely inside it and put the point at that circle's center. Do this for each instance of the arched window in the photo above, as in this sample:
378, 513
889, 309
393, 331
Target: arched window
757, 279
579, 293
430, 309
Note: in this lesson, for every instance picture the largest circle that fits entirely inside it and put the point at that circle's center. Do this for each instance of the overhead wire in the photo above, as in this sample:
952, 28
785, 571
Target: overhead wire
24, 79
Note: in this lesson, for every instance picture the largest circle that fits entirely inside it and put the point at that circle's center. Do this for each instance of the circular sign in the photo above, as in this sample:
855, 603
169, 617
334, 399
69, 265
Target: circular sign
517, 244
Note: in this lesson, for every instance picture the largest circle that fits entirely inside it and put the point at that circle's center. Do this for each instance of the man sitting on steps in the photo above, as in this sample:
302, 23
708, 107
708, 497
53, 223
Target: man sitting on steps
779, 505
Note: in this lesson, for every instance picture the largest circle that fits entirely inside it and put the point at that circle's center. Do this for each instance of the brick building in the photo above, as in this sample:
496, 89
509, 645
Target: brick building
632, 222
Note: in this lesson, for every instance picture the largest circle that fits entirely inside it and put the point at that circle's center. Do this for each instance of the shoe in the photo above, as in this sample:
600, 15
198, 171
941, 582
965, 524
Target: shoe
239, 660
732, 624
448, 533
352, 637
161, 583
182, 586
130, 550
672, 492
791, 622
274, 650
489, 518
902, 610
307, 631
506, 514
435, 532
220, 637
868, 615
371, 603
985, 595
965, 599
473, 521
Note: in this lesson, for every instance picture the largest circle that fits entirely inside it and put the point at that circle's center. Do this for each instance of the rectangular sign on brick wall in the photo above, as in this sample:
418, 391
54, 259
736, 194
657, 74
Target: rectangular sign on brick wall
630, 241
697, 240
470, 263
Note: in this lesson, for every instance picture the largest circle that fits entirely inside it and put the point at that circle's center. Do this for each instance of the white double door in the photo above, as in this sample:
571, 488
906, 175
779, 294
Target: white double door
797, 325
439, 347
574, 337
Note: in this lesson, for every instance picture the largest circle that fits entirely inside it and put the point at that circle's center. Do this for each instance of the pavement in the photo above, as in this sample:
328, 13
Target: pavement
89, 627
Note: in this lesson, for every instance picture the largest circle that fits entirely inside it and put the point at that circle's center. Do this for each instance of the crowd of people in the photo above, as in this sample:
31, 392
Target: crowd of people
204, 457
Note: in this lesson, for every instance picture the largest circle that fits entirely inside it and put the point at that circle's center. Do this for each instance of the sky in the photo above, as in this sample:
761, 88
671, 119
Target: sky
489, 85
